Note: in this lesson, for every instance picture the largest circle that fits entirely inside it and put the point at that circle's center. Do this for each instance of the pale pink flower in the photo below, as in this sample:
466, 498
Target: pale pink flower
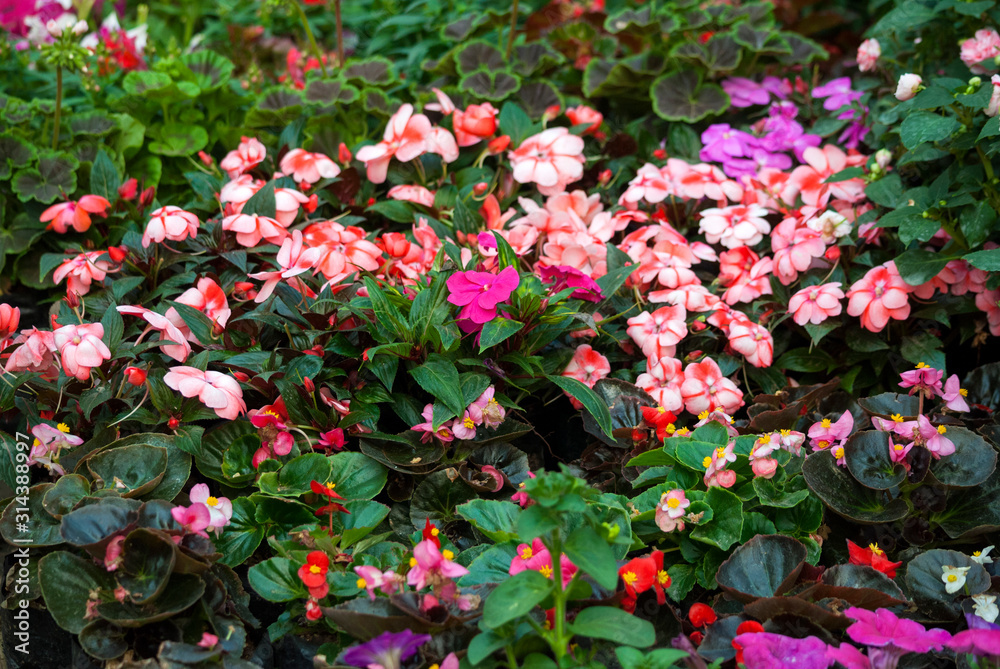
307, 167
433, 567
994, 106
587, 366
476, 123
36, 353
236, 192
76, 215
194, 519
216, 390
705, 389
764, 468
953, 395
751, 285
908, 86
584, 114
180, 349
673, 503
795, 248
658, 333
924, 379
988, 301
719, 459
287, 202
171, 223
868, 54
82, 271
814, 304
81, 349
250, 229
485, 410
826, 432
370, 578
220, 509
735, 225
344, 250
293, 259
551, 159
808, 180
753, 341
649, 184
662, 380
405, 138
415, 194
113, 553
984, 46
464, 427
880, 295
207, 297
934, 439
442, 433
243, 158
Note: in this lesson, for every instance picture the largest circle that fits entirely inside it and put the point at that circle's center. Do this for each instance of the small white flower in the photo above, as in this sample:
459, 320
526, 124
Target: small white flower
80, 28
985, 607
953, 578
908, 86
983, 556
54, 28
831, 225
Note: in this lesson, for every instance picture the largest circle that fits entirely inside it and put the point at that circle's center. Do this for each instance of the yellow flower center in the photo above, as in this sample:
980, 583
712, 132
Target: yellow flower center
875, 549
670, 428
703, 415
963, 392
825, 422
663, 577
707, 462
720, 453
683, 431
942, 429
362, 583
922, 365
271, 412
838, 452
896, 418
447, 554
822, 444
331, 486
952, 578
212, 501
63, 427
468, 423
976, 553
673, 503
37, 443
315, 569
526, 553
661, 410
413, 562
435, 531
546, 571
786, 433
629, 577
898, 447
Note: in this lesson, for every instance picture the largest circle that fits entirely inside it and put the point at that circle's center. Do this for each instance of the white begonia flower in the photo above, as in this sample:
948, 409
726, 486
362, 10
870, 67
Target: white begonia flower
983, 556
953, 578
985, 607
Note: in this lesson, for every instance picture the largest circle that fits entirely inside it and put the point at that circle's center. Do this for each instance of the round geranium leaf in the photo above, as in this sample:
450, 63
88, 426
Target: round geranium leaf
479, 55
925, 581
680, 96
867, 455
860, 585
62, 497
375, 71
887, 404
54, 176
843, 494
131, 470
765, 566
209, 68
404, 453
973, 461
494, 86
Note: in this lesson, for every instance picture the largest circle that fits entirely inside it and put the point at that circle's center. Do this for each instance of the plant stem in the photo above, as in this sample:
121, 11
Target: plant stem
559, 597
511, 658
340, 33
311, 37
58, 117
513, 29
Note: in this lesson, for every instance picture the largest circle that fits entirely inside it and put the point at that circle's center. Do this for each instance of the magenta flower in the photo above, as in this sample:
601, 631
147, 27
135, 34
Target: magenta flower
432, 566
924, 378
954, 396
443, 432
194, 518
849, 656
536, 557
979, 642
563, 277
934, 439
827, 432
898, 452
837, 93
763, 650
746, 92
479, 293
883, 629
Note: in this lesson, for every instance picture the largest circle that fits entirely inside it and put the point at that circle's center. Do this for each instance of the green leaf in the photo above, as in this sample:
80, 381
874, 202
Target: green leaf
356, 475
104, 179
66, 582
494, 518
977, 221
988, 261
918, 266
726, 525
662, 658
515, 123
588, 398
681, 96
178, 139
497, 330
613, 624
840, 492
765, 566
867, 455
516, 597
923, 347
242, 535
277, 580
990, 129
923, 580
262, 202
923, 126
887, 191
439, 377
54, 176
591, 553
386, 313
114, 327
295, 476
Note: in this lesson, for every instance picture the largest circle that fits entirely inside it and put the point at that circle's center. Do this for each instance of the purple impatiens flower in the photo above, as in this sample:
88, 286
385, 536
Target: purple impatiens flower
479, 293
386, 651
564, 276
849, 656
763, 650
889, 637
837, 93
979, 642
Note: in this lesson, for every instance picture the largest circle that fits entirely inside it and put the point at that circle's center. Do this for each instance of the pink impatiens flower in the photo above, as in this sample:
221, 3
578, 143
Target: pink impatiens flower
662, 380
207, 297
479, 293
753, 341
405, 138
215, 390
587, 366
36, 353
308, 167
551, 159
243, 158
985, 45
81, 349
168, 330
76, 215
706, 389
416, 194
814, 304
880, 295
82, 270
868, 54
171, 223
293, 259
251, 228
735, 226
658, 333
433, 566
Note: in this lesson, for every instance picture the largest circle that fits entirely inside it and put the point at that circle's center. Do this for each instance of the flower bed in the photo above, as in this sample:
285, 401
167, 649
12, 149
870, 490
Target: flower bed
629, 336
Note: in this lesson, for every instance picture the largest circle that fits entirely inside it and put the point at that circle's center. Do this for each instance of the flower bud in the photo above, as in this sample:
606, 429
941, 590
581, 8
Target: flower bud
908, 86
128, 190
147, 196
173, 424
308, 384
242, 377
883, 157
498, 144
701, 614
135, 375
206, 159
54, 28
832, 254
604, 178
480, 188
344, 154
660, 154
117, 254
551, 112
80, 28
